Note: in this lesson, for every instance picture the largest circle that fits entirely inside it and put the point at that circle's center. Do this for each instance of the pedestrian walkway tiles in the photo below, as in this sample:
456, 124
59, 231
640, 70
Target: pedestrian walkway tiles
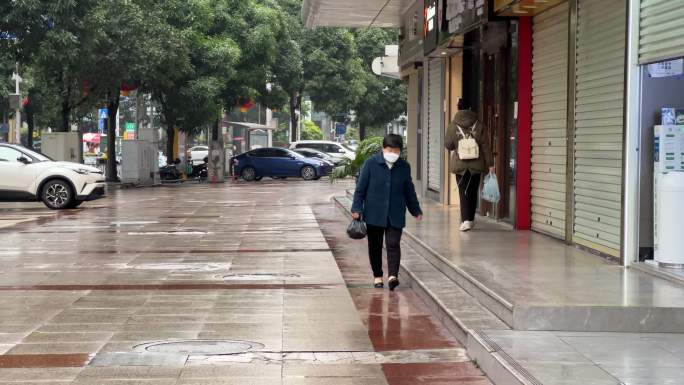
135, 289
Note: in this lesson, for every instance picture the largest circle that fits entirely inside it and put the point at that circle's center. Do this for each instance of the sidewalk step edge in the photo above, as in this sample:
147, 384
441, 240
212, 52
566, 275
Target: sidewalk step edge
490, 299
499, 366
455, 326
653, 270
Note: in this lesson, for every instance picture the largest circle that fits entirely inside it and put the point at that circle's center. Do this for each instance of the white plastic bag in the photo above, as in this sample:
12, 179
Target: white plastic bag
490, 190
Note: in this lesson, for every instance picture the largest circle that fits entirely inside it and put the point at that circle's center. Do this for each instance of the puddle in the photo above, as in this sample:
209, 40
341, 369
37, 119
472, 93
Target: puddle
199, 347
258, 277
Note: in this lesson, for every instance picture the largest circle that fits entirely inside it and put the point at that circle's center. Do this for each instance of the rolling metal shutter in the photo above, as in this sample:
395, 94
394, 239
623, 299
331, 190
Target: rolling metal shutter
434, 129
599, 124
549, 120
662, 30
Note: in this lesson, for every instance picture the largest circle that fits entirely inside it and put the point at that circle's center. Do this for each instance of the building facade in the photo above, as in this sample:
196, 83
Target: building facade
570, 91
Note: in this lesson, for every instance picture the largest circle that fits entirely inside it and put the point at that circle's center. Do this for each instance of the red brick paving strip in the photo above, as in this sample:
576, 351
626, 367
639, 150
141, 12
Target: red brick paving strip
442, 373
43, 360
174, 286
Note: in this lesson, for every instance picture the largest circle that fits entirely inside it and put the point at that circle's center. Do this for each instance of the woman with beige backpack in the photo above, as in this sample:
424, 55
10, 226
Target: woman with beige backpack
472, 157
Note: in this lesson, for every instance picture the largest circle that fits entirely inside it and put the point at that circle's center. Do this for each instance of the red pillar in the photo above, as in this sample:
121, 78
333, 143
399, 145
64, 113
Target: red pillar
523, 170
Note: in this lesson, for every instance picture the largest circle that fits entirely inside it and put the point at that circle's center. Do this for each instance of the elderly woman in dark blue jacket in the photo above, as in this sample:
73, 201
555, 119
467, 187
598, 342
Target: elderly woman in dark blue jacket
383, 193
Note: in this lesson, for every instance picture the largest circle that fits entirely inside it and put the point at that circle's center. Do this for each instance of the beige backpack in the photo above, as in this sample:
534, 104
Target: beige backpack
468, 148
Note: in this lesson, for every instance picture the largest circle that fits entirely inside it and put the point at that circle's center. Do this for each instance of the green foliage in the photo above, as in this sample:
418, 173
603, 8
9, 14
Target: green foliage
352, 133
333, 72
311, 131
367, 148
6, 85
196, 57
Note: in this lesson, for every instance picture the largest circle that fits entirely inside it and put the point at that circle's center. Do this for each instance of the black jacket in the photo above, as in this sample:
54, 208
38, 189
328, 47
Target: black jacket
383, 195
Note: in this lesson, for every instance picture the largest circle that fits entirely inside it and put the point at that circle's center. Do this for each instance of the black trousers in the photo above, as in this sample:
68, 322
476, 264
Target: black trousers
468, 188
392, 243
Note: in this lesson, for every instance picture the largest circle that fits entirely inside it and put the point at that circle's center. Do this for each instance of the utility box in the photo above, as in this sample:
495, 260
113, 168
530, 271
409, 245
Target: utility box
671, 201
139, 162
668, 158
61, 146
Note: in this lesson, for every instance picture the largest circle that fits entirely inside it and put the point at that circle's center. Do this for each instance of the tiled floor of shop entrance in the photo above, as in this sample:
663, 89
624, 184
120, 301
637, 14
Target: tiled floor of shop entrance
234, 284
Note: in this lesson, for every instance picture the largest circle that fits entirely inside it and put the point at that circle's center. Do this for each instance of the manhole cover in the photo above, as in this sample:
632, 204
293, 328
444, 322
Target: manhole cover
258, 277
199, 347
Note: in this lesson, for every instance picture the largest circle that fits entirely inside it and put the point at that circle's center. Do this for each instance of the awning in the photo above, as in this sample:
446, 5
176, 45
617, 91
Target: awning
250, 126
354, 13
90, 137
517, 8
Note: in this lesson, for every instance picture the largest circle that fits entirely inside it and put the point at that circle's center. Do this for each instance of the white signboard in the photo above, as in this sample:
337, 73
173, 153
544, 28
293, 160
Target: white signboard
666, 69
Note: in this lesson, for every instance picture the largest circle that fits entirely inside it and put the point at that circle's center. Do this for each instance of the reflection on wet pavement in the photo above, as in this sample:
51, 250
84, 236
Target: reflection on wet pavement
397, 320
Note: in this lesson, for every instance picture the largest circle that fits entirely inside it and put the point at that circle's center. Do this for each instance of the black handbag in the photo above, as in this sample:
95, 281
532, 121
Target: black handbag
357, 229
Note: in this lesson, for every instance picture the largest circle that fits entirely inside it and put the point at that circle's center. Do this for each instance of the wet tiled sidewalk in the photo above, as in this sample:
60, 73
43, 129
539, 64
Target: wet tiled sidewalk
395, 321
575, 358
234, 284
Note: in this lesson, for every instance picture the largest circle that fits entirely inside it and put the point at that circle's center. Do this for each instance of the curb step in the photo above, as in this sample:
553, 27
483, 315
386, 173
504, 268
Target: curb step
501, 307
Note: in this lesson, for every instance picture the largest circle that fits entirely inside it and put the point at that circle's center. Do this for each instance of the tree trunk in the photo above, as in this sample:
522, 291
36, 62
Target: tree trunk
112, 108
294, 119
215, 130
31, 127
66, 111
170, 136
362, 131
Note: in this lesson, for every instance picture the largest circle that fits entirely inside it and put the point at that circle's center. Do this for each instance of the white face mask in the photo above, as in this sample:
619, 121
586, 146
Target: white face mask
390, 157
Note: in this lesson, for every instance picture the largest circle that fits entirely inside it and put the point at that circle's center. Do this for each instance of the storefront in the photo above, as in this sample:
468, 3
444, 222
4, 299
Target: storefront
654, 155
411, 70
598, 128
549, 120
577, 119
445, 26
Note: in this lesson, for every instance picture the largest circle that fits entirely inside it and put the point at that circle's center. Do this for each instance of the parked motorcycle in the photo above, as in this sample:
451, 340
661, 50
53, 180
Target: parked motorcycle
200, 171
170, 172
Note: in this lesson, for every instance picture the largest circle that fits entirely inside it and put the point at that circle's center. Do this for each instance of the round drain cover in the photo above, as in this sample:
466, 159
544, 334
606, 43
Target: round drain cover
258, 277
201, 347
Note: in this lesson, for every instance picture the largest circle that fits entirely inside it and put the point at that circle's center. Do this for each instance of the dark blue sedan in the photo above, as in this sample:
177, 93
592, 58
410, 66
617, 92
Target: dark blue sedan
278, 163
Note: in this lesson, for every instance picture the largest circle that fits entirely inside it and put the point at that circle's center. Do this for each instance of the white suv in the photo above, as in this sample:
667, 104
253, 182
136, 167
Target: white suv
197, 154
336, 150
26, 175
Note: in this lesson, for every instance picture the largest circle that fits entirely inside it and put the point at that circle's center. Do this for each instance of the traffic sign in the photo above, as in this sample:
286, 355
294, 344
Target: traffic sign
130, 127
340, 129
103, 113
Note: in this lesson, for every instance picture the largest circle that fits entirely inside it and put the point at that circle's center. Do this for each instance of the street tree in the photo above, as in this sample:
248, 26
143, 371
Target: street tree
333, 72
7, 66
187, 82
56, 38
126, 48
220, 53
311, 131
288, 70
